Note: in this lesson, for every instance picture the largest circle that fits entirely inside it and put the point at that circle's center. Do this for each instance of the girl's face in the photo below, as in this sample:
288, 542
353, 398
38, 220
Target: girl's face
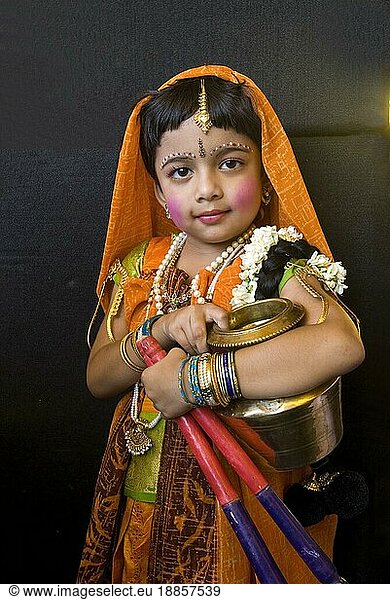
210, 182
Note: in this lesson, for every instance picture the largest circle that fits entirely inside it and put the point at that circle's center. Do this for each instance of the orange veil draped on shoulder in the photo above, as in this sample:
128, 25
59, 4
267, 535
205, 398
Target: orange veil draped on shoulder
136, 215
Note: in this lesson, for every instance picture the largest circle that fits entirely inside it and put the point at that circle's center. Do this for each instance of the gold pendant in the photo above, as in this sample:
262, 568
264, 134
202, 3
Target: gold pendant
137, 442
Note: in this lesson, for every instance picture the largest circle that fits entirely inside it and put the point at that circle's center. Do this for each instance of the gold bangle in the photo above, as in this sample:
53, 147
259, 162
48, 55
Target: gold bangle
133, 343
204, 377
124, 355
219, 392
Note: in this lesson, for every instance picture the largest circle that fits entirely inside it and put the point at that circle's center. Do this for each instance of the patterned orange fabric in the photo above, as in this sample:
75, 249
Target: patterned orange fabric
136, 216
225, 561
131, 557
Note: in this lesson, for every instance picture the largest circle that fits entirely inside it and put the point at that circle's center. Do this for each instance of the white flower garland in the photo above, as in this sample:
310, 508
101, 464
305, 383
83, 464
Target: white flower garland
256, 252
333, 274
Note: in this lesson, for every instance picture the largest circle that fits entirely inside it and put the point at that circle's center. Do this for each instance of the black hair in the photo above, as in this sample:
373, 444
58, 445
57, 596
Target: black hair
228, 104
273, 268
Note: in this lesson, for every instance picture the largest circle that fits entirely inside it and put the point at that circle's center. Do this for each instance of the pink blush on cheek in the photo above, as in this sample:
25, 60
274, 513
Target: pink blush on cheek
174, 209
246, 194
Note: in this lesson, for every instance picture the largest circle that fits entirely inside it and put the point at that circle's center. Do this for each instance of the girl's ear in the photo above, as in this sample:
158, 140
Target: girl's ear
159, 194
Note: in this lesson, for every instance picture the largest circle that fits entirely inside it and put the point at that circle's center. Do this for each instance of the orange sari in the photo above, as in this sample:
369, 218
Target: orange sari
183, 537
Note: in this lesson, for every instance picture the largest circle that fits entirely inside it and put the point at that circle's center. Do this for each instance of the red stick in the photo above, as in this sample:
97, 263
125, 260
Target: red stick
209, 463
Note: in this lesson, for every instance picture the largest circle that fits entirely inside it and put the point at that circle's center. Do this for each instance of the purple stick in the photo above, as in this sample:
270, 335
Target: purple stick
253, 545
310, 552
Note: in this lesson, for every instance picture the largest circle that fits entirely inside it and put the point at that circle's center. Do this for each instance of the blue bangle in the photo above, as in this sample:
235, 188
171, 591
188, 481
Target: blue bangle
146, 327
193, 381
228, 379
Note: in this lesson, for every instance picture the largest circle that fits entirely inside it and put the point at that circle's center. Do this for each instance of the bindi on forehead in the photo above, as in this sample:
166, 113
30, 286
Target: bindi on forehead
231, 145
202, 151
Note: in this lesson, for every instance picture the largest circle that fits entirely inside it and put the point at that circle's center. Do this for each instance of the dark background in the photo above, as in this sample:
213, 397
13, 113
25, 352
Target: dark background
70, 72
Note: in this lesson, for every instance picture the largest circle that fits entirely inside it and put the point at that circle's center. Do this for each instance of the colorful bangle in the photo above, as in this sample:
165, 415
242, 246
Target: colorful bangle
146, 327
236, 384
193, 380
212, 379
230, 376
227, 374
223, 393
224, 381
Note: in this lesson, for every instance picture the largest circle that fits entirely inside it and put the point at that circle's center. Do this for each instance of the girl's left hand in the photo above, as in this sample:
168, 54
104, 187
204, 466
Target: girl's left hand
160, 383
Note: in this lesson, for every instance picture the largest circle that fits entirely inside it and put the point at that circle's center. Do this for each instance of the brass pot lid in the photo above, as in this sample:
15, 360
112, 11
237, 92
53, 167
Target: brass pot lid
256, 322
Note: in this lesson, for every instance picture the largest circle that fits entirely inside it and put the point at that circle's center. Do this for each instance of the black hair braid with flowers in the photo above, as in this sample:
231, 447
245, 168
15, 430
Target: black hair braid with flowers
272, 269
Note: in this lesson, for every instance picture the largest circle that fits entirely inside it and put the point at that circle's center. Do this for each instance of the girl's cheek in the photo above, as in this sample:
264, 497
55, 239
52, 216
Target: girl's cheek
246, 194
174, 208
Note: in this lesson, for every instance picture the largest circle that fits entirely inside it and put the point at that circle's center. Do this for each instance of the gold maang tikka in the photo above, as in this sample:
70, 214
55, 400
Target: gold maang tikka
202, 117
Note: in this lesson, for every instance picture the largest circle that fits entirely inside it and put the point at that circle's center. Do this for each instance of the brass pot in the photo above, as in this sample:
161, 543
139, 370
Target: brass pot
288, 432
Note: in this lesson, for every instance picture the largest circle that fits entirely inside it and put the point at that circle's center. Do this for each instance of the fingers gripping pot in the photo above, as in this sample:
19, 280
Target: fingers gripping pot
288, 432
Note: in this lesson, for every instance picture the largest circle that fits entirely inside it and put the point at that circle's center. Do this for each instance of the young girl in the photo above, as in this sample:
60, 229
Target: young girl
205, 200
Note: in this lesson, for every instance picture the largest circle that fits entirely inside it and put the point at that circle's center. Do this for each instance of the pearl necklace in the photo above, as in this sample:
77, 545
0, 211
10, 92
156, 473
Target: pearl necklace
216, 265
136, 438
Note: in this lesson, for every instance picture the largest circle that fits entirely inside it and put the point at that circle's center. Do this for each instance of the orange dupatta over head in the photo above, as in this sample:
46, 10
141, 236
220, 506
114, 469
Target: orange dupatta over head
136, 215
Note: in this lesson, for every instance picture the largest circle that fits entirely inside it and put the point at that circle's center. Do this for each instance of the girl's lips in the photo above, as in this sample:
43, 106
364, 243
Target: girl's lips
211, 217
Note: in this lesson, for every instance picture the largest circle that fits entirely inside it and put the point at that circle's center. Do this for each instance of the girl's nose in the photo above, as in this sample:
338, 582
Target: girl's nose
208, 187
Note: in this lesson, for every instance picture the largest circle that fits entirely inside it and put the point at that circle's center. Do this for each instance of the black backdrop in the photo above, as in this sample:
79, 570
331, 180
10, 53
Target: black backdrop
70, 71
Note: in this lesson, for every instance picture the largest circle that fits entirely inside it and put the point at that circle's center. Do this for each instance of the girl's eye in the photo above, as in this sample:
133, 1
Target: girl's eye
230, 163
179, 172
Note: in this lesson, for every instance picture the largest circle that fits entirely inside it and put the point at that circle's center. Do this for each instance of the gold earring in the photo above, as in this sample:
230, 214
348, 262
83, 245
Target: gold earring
266, 197
166, 210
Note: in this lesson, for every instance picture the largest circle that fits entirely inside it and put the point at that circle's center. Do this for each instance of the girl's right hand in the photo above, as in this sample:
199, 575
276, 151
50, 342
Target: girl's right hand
187, 327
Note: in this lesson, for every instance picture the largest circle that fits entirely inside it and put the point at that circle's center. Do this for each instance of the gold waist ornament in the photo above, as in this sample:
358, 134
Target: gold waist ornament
288, 432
